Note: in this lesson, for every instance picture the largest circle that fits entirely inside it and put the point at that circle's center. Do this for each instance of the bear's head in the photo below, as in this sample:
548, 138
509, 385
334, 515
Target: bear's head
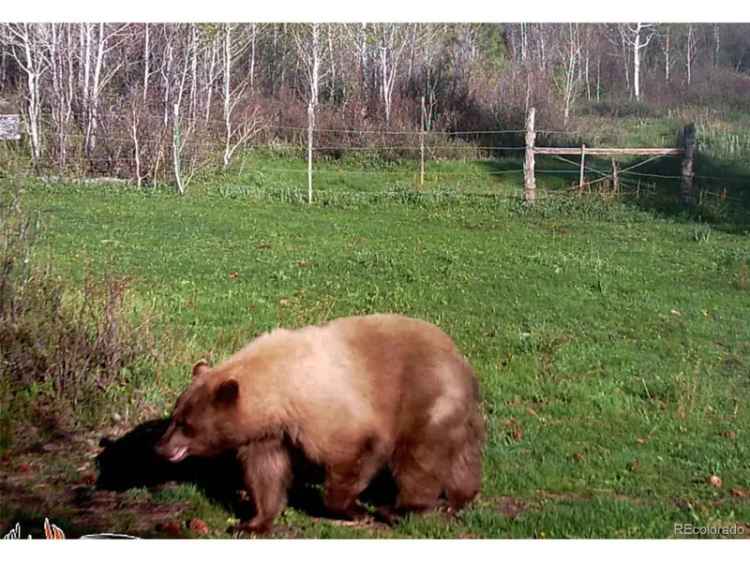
204, 421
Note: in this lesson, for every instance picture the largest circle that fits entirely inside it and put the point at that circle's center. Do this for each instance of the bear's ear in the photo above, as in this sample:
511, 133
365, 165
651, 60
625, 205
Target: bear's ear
200, 367
227, 392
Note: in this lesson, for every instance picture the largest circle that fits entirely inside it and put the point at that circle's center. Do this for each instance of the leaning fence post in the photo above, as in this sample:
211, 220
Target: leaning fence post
529, 182
687, 187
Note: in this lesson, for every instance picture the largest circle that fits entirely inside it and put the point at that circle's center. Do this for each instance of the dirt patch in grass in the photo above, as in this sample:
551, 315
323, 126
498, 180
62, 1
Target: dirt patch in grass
57, 480
511, 507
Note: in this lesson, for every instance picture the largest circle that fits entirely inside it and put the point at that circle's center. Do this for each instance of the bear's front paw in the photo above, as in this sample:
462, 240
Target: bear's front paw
253, 527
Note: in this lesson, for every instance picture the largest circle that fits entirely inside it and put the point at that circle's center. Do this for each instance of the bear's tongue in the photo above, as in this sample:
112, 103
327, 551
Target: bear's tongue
179, 454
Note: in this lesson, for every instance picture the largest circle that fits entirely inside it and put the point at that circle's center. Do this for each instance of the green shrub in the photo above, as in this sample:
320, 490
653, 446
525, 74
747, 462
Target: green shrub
63, 350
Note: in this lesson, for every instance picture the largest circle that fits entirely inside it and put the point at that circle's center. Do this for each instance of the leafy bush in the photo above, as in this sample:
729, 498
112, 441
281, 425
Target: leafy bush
63, 350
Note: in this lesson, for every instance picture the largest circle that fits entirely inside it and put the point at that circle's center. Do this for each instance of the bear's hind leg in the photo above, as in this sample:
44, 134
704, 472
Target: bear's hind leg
419, 476
346, 480
465, 475
268, 475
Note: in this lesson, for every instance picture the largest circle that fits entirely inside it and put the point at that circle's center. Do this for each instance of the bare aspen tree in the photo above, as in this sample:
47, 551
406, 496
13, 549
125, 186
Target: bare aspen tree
309, 52
211, 73
690, 51
27, 42
541, 35
3, 58
571, 60
430, 51
307, 40
134, 123
228, 53
254, 28
177, 146
357, 39
617, 36
524, 42
182, 129
166, 73
97, 44
393, 40
667, 50
177, 42
194, 52
235, 134
332, 62
146, 57
637, 36
62, 71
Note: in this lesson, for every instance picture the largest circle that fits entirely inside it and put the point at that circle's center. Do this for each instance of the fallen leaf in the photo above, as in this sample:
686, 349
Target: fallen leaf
729, 435
171, 528
641, 440
89, 478
198, 526
578, 457
675, 312
634, 466
516, 431
24, 467
714, 481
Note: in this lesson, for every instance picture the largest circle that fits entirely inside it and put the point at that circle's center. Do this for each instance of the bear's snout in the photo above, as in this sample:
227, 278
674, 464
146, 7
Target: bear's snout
170, 449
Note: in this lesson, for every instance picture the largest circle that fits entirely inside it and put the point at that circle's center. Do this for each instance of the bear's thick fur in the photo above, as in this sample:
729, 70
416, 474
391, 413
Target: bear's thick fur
356, 395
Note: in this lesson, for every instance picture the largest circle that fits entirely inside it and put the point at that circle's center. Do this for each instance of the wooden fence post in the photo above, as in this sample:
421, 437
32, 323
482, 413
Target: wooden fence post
310, 125
615, 177
687, 187
583, 159
421, 146
529, 182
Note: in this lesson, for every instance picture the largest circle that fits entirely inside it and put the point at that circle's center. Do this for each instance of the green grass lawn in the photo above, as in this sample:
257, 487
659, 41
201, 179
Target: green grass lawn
612, 343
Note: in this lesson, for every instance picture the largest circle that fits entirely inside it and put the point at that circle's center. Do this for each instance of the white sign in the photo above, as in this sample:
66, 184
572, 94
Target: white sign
10, 127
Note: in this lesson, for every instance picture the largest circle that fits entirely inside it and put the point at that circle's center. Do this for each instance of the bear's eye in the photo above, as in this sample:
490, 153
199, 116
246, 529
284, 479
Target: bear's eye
186, 428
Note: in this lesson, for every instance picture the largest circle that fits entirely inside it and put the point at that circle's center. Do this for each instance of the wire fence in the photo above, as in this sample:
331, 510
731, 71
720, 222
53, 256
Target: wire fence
117, 152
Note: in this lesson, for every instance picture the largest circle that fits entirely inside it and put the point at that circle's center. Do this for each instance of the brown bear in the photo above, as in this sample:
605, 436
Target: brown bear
356, 395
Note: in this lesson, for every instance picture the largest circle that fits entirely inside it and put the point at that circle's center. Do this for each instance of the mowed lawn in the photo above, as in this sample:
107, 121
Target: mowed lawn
612, 345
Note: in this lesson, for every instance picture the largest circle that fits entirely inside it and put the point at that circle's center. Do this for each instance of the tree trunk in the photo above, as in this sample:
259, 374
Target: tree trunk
227, 90
146, 55
637, 68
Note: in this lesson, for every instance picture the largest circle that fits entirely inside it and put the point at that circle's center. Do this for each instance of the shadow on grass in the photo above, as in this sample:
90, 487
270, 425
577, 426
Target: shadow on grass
130, 462
550, 175
722, 192
722, 188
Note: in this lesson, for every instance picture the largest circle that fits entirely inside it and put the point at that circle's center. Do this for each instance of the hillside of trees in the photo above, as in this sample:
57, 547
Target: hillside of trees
130, 100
